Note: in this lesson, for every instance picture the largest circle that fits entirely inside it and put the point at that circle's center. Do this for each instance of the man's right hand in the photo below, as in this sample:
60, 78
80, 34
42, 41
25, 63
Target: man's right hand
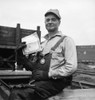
22, 45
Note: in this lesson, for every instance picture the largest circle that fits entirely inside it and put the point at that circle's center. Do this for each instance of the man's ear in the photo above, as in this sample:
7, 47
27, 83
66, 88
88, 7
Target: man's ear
59, 22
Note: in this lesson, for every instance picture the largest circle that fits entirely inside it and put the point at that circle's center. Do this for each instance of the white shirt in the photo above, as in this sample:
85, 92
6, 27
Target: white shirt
66, 51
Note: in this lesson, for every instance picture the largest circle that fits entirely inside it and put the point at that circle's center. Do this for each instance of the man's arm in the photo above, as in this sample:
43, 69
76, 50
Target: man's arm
70, 65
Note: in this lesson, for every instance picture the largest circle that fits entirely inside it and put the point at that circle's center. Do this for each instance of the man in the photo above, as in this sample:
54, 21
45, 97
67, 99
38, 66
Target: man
53, 70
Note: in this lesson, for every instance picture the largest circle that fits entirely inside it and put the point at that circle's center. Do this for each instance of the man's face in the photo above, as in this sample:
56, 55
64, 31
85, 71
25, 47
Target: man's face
51, 23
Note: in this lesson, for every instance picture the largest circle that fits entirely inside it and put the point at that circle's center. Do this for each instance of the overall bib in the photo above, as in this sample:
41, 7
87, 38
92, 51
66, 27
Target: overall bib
44, 88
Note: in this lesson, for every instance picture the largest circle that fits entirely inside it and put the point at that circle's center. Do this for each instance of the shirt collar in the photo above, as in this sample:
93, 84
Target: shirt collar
59, 33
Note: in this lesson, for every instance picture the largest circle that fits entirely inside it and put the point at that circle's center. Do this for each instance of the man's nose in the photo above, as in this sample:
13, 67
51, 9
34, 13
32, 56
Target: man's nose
50, 21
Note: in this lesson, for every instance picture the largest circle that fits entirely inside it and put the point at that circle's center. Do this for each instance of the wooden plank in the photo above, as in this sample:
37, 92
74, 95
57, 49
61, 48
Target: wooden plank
10, 36
76, 94
7, 35
9, 74
3, 93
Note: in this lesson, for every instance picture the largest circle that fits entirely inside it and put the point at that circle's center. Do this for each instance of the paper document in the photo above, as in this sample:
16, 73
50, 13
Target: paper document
32, 42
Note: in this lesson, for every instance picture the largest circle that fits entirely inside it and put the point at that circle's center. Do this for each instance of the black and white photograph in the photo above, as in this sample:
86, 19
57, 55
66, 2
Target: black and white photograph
47, 49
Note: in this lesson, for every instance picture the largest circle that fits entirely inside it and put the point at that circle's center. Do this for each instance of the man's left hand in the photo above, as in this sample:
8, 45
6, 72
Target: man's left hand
40, 75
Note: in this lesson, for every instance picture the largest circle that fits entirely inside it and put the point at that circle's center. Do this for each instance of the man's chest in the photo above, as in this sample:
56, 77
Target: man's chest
50, 43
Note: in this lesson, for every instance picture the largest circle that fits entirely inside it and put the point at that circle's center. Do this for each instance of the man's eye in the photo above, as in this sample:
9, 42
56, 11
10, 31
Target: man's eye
54, 19
47, 20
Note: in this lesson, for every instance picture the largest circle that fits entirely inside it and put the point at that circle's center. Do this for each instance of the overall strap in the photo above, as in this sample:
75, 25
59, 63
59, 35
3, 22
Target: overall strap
57, 44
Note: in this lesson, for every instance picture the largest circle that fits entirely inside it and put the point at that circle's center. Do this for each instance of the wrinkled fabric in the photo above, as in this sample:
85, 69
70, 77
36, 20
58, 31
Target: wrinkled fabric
40, 75
41, 90
66, 51
46, 87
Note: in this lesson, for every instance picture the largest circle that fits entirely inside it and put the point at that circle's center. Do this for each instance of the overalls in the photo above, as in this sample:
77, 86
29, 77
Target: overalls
41, 89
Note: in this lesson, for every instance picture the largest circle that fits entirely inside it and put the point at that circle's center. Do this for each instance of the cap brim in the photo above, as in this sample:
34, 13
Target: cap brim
53, 14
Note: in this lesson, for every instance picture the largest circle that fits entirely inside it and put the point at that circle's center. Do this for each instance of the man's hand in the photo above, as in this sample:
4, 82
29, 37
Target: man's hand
40, 75
22, 45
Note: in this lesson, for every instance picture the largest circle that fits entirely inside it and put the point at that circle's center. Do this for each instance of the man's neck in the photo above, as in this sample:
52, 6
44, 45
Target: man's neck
51, 34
